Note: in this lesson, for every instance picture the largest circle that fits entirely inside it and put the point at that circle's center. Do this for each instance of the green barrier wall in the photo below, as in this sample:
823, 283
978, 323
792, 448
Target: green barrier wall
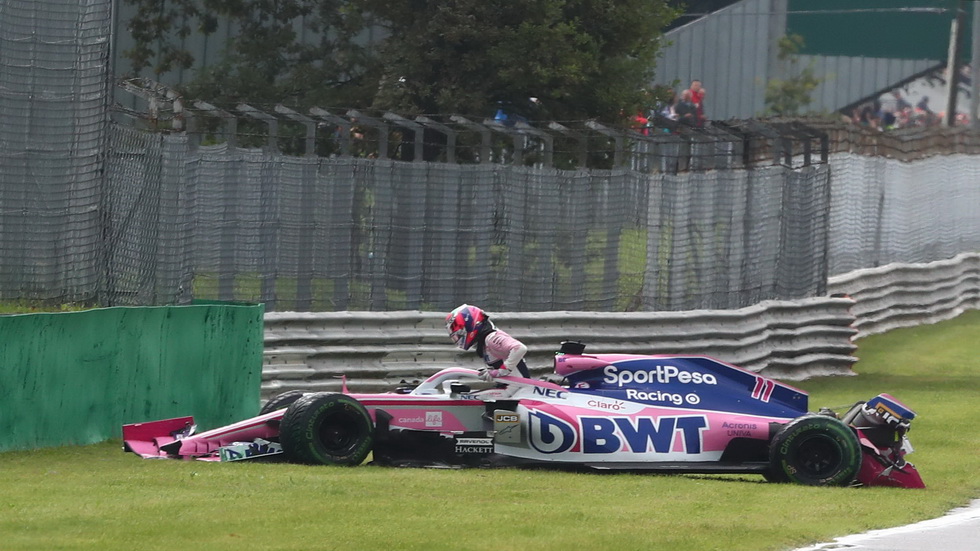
77, 377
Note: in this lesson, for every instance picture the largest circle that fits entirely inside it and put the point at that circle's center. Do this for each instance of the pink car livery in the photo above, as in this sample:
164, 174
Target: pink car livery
661, 413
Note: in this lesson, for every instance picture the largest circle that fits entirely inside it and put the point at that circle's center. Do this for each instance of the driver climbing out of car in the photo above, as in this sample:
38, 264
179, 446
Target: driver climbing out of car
503, 354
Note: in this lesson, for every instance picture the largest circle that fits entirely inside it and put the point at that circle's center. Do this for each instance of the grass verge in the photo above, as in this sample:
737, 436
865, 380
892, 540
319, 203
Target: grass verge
97, 497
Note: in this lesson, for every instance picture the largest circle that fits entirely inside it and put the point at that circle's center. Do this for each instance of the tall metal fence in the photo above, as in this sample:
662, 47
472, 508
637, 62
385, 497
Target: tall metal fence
721, 217
327, 212
54, 93
346, 233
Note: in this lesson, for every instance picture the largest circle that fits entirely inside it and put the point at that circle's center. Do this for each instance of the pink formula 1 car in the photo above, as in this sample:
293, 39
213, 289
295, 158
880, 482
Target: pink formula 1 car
682, 414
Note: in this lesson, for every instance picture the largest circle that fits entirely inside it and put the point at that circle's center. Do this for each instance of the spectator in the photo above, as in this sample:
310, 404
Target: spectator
686, 111
900, 103
923, 105
641, 123
665, 108
697, 98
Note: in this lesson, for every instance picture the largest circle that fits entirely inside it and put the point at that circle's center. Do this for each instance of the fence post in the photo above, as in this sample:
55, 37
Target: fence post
357, 116
617, 140
447, 131
271, 122
416, 129
582, 150
309, 123
231, 121
516, 137
546, 139
484, 135
341, 123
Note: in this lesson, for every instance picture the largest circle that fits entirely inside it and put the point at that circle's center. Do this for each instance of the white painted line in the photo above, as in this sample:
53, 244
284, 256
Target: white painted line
954, 518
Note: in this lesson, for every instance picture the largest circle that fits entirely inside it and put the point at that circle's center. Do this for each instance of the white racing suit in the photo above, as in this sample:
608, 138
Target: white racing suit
503, 355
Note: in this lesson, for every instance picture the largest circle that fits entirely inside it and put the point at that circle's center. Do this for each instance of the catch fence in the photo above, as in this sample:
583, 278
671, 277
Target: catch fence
54, 95
343, 210
354, 233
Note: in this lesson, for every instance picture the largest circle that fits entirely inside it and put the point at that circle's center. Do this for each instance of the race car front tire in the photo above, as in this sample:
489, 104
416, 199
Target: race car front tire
815, 450
326, 429
280, 401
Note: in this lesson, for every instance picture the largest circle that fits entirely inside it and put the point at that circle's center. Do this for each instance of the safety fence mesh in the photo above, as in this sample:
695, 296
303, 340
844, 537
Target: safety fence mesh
886, 211
179, 222
316, 233
54, 90
345, 233
675, 219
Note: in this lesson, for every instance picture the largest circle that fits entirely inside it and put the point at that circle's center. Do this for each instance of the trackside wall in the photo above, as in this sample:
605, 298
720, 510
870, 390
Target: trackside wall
784, 339
906, 295
77, 377
376, 350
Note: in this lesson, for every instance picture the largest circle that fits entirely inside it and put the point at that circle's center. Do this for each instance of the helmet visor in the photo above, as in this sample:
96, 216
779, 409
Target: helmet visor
459, 337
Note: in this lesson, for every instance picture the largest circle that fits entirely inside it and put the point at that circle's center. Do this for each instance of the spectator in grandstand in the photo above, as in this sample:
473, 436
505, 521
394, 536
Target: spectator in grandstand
503, 354
685, 109
697, 98
923, 105
900, 102
666, 107
894, 112
641, 123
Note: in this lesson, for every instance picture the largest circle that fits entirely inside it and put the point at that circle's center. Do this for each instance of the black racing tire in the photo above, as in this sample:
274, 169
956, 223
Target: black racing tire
775, 475
326, 429
280, 401
815, 450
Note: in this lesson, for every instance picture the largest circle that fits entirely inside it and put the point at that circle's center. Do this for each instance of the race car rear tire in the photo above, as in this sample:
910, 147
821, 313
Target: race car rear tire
280, 401
815, 450
326, 429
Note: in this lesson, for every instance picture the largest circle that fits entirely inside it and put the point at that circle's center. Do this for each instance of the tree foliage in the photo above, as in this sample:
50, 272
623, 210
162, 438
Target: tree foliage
581, 58
792, 95
267, 59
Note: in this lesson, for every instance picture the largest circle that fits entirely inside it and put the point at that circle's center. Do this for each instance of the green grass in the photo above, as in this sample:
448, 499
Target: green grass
35, 307
627, 288
97, 497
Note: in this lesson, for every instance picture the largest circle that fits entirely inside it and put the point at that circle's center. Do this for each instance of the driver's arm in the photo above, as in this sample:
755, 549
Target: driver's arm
510, 349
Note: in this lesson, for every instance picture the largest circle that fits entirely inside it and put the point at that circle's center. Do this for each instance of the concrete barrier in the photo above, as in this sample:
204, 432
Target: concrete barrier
377, 350
906, 295
790, 340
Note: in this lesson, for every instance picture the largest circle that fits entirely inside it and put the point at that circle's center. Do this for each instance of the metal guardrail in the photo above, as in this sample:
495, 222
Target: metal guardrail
905, 295
783, 339
376, 350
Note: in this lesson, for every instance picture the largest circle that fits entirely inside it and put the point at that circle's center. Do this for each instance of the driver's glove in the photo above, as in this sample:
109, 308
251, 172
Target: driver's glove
501, 371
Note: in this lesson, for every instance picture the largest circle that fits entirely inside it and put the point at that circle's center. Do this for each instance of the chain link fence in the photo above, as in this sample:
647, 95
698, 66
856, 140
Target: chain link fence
346, 233
323, 211
54, 93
